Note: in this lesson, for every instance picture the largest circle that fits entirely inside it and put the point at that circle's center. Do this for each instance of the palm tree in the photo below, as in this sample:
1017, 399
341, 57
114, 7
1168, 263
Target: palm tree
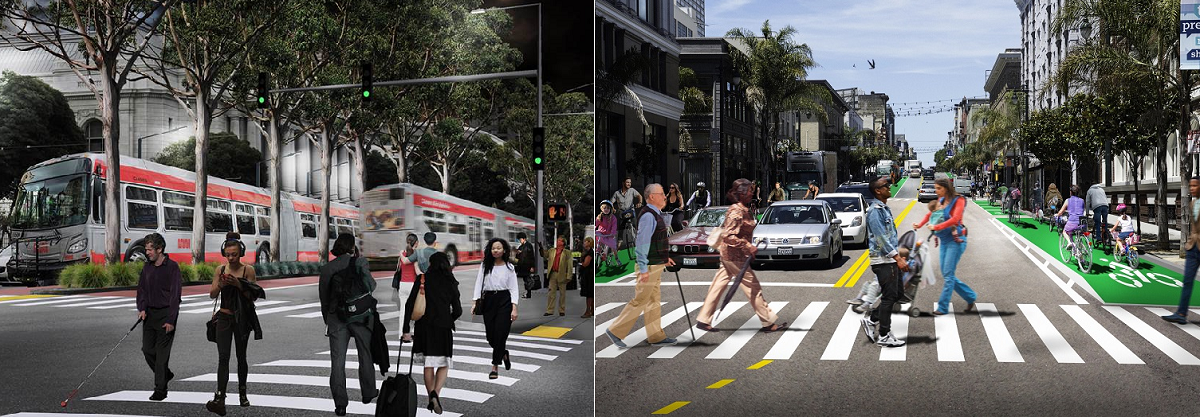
1137, 47
1001, 123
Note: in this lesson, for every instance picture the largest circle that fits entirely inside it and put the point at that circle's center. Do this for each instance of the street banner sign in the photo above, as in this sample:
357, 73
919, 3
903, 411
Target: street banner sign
1194, 141
1189, 35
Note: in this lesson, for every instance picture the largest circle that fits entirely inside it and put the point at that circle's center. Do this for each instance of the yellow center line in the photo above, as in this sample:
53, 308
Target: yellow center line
846, 277
674, 406
760, 364
720, 383
24, 297
857, 275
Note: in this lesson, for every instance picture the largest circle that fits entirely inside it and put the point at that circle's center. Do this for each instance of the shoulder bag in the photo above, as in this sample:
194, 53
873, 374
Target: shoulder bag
212, 321
419, 305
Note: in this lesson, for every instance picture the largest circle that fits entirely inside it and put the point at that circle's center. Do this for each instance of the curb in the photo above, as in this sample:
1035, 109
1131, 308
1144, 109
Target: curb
75, 291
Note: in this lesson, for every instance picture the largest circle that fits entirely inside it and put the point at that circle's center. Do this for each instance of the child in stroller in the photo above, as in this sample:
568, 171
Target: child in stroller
915, 253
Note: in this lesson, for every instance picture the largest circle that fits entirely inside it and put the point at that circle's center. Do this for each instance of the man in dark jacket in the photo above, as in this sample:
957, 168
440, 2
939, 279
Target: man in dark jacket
159, 292
526, 263
340, 332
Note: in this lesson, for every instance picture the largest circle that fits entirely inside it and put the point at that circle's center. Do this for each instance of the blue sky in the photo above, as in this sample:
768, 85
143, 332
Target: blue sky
926, 50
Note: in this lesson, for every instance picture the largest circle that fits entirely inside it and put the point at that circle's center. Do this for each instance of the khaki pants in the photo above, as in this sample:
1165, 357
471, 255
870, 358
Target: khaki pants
558, 290
646, 297
749, 284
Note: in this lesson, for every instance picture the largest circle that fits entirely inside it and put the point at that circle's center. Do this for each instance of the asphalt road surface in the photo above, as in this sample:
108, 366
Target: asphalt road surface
1039, 345
50, 344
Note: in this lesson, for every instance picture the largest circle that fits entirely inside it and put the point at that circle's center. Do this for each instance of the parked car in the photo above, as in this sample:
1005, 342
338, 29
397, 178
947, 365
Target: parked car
857, 187
5, 256
926, 193
797, 230
851, 209
689, 247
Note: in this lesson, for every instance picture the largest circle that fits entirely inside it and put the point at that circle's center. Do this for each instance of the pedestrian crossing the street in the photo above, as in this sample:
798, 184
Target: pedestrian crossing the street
191, 304
1017, 333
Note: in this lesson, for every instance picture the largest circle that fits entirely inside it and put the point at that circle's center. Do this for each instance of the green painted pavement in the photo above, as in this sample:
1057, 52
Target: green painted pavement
605, 273
1149, 284
897, 186
988, 207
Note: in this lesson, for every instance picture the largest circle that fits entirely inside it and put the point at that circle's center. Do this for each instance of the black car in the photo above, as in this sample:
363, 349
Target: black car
927, 174
857, 187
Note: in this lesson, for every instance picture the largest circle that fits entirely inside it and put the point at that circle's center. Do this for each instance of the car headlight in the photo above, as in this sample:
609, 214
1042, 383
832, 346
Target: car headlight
712, 249
674, 248
812, 240
78, 246
857, 222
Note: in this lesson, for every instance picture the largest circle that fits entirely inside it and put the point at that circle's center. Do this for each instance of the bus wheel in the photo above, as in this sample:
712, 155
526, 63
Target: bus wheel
452, 253
263, 254
136, 254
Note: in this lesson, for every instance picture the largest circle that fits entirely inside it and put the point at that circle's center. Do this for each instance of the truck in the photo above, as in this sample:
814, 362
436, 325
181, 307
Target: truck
804, 166
913, 167
885, 167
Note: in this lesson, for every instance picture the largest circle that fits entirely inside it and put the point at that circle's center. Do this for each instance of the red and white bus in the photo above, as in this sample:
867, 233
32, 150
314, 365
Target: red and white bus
58, 215
391, 212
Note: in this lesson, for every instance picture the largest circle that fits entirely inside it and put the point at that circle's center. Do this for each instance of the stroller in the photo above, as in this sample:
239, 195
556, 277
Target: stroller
917, 255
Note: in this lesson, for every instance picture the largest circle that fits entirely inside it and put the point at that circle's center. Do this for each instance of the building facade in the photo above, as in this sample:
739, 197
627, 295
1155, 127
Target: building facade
824, 135
719, 146
689, 14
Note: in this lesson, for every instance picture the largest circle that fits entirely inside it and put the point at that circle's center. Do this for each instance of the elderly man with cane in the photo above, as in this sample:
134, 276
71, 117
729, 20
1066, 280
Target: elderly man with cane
652, 257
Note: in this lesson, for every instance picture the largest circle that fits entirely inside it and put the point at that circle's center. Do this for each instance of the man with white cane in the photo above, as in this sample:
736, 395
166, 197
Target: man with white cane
652, 257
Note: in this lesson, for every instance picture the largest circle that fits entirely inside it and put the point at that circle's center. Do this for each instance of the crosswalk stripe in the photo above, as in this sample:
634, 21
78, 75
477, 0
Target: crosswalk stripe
384, 316
95, 303
273, 401
741, 337
511, 352
640, 335
794, 335
209, 308
1002, 342
609, 306
899, 331
129, 304
201, 303
1058, 346
454, 373
1106, 340
949, 345
56, 300
533, 338
311, 315
9, 299
668, 352
1170, 348
843, 337
284, 308
28, 414
1194, 331
510, 343
604, 326
351, 383
474, 360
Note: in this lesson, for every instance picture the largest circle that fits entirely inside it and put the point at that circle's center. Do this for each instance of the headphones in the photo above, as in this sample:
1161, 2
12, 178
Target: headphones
241, 246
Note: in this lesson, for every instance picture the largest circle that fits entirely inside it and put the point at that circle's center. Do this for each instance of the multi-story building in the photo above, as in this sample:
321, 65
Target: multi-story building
877, 115
689, 15
719, 145
818, 135
627, 146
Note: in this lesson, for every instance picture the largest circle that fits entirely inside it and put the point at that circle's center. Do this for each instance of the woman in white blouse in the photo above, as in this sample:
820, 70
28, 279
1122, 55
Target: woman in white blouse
496, 295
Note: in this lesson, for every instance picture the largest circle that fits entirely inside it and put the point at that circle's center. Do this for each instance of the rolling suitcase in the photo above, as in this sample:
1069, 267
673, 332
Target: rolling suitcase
398, 395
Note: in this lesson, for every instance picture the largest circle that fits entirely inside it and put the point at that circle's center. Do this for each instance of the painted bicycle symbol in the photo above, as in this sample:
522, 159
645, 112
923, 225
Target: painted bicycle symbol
1132, 278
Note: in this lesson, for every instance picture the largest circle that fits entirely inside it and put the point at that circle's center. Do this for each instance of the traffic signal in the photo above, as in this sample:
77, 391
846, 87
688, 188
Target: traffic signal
539, 148
368, 78
262, 90
556, 212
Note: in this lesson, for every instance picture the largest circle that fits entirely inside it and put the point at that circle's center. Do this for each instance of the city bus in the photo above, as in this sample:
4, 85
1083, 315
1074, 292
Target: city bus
58, 216
391, 212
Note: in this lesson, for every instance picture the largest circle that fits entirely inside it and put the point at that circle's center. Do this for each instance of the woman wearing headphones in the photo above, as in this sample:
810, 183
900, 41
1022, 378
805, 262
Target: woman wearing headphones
235, 284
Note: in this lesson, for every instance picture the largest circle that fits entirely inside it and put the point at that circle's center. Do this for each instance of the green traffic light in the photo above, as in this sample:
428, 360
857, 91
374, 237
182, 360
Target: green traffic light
366, 94
262, 100
537, 161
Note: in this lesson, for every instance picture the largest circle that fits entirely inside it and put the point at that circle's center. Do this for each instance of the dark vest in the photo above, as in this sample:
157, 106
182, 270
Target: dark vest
659, 249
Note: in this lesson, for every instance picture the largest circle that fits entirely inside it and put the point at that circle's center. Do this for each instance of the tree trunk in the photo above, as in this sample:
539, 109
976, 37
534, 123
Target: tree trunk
1185, 162
1160, 195
326, 162
200, 207
1137, 208
274, 165
360, 168
110, 104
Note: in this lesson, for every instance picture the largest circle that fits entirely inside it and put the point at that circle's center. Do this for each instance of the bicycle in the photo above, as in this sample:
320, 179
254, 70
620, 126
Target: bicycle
1014, 211
607, 255
1078, 249
1129, 256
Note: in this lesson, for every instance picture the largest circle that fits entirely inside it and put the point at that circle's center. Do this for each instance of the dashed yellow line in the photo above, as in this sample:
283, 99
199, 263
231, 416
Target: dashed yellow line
761, 364
674, 406
720, 384
860, 267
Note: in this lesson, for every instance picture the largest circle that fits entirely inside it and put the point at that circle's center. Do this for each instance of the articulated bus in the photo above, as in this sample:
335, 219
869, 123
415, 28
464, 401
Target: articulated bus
58, 216
391, 212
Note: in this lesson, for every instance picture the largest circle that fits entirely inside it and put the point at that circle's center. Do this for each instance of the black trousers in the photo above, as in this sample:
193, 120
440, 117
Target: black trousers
156, 345
497, 320
229, 332
889, 285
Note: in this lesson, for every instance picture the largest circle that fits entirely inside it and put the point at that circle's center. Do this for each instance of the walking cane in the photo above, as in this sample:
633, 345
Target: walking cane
114, 349
685, 311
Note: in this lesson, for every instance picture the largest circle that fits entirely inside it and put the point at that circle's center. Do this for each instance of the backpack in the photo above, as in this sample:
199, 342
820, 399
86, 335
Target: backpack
352, 302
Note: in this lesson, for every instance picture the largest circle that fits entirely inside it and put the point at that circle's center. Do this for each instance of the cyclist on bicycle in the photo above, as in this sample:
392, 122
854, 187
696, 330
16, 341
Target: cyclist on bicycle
625, 202
1012, 204
1123, 228
700, 198
606, 230
1074, 208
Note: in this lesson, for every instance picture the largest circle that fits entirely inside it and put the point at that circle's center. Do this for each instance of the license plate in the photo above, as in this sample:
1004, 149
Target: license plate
785, 251
689, 261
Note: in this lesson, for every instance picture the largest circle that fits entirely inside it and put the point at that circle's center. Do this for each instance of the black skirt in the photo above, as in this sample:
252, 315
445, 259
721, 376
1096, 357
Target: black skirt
432, 340
587, 280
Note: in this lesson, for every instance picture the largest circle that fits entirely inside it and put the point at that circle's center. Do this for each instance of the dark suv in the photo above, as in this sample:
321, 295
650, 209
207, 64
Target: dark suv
927, 174
857, 187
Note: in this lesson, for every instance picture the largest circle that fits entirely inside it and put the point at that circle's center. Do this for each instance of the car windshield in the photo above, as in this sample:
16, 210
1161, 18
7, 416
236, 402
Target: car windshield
55, 202
844, 204
708, 218
794, 215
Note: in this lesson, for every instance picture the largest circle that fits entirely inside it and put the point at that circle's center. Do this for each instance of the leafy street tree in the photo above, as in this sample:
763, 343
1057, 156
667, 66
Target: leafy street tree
231, 157
34, 118
117, 34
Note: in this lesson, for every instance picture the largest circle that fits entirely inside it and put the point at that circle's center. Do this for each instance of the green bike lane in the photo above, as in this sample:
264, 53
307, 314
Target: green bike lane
1150, 284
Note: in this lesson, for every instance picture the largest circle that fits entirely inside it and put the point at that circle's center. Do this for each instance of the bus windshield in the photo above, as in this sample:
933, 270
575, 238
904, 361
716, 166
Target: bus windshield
51, 203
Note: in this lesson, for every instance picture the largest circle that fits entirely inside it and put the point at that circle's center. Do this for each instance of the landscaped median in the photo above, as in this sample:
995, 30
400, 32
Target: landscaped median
89, 277
1114, 283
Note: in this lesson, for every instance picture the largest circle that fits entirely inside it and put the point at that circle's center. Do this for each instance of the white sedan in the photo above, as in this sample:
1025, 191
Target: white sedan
851, 209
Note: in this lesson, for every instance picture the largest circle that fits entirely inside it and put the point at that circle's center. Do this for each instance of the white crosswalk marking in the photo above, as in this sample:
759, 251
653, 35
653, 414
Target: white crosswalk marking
741, 337
209, 308
1191, 330
601, 328
533, 338
351, 383
640, 335
311, 315
668, 352
791, 339
511, 352
385, 316
68, 415
1114, 347
284, 308
1054, 340
609, 306
510, 343
949, 345
844, 337
474, 360
272, 401
454, 373
124, 305
200, 303
21, 300
95, 303
56, 300
1002, 342
899, 331
1179, 354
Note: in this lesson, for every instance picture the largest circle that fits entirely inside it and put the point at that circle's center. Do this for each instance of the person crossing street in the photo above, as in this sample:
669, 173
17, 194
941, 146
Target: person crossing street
886, 263
652, 259
159, 293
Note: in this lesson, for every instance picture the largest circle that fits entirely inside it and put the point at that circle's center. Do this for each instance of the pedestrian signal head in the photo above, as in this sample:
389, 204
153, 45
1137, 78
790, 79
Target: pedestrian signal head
556, 212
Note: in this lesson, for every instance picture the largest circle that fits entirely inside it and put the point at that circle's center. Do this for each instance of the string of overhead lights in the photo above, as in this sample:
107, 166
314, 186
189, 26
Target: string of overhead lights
934, 101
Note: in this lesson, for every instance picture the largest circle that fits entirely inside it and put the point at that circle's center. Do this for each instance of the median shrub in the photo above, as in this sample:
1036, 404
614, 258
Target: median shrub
206, 271
94, 276
188, 271
69, 276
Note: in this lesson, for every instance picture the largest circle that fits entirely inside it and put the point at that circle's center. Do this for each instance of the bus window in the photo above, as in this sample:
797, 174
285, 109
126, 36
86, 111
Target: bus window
264, 226
343, 230
308, 224
98, 200
218, 219
331, 229
178, 211
457, 229
245, 219
141, 208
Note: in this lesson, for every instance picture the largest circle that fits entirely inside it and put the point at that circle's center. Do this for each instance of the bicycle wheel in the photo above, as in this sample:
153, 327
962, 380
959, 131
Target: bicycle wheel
1064, 248
1084, 257
1132, 258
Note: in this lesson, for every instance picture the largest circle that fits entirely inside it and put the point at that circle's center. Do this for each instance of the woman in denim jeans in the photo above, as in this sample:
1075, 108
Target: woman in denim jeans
953, 244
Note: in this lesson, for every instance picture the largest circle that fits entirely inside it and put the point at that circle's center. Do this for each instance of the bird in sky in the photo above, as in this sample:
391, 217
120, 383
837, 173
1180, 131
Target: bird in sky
871, 62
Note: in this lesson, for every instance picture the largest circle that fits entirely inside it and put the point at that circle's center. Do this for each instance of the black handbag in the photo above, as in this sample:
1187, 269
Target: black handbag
212, 323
